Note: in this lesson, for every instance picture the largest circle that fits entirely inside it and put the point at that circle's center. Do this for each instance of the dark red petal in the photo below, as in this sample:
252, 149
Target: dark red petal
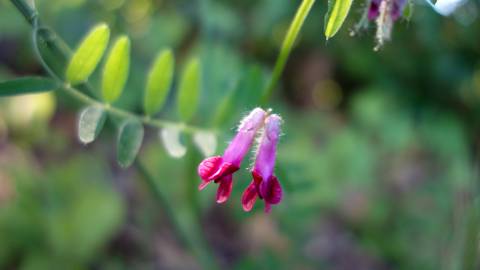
271, 190
225, 169
224, 189
209, 167
249, 197
256, 177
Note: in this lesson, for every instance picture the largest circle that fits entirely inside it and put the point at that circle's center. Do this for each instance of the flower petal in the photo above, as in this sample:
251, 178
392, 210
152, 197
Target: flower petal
257, 180
224, 189
225, 169
271, 190
209, 167
241, 143
249, 197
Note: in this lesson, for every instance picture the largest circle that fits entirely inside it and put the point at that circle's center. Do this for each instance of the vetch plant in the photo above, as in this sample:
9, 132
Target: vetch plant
70, 72
81, 64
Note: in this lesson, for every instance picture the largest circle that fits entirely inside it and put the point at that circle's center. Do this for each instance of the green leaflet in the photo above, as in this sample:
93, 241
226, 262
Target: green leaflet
90, 123
26, 85
86, 58
189, 90
115, 71
159, 82
129, 142
336, 15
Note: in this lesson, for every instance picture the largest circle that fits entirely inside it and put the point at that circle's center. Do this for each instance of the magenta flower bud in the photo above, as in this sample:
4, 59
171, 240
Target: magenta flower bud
265, 184
220, 168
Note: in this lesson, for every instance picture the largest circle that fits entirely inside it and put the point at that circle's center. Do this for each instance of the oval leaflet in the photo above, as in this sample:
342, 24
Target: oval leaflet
129, 141
90, 123
115, 71
86, 58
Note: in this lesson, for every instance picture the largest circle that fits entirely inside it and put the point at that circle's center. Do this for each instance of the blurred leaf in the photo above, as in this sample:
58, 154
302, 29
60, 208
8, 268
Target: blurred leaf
88, 55
336, 15
189, 90
159, 82
171, 140
224, 110
26, 85
115, 72
90, 123
206, 142
129, 142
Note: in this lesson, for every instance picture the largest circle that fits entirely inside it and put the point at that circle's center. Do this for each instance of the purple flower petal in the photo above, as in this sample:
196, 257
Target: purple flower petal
267, 151
242, 142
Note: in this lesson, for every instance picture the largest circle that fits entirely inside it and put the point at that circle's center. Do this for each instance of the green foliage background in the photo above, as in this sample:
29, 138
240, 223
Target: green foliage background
377, 161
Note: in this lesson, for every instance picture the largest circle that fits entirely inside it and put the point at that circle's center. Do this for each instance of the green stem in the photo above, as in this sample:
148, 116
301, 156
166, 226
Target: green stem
287, 46
27, 11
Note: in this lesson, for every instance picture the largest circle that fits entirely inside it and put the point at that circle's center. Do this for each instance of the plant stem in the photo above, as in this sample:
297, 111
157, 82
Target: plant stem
27, 11
157, 123
287, 46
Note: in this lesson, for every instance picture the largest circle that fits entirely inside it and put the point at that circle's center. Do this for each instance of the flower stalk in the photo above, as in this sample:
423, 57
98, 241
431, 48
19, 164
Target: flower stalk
287, 46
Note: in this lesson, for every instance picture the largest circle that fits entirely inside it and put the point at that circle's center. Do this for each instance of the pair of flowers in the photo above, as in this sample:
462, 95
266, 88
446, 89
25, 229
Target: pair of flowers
220, 169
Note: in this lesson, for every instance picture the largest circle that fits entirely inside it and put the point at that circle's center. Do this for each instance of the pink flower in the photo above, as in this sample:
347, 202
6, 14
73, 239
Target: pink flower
265, 184
221, 168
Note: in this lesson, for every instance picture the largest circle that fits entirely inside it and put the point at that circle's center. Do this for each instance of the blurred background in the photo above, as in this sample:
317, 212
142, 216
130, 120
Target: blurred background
378, 159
